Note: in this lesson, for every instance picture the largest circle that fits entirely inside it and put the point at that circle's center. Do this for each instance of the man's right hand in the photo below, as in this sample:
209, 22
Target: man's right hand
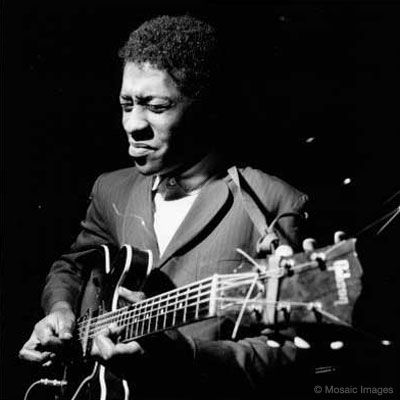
49, 335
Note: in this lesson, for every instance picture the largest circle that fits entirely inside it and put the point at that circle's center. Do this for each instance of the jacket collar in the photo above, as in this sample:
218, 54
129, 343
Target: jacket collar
210, 201
139, 222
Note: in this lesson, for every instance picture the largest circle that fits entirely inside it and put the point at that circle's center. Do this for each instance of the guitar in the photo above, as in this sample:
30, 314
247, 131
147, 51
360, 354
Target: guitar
316, 286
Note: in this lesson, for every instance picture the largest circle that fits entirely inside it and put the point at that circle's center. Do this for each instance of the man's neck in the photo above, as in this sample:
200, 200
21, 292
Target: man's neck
192, 176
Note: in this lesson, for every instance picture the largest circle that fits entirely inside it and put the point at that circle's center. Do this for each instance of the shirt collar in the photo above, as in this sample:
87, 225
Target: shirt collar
193, 178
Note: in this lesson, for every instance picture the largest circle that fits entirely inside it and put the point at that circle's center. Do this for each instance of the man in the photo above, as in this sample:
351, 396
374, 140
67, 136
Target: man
180, 202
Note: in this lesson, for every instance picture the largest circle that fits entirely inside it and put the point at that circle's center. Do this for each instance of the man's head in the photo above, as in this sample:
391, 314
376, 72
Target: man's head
170, 67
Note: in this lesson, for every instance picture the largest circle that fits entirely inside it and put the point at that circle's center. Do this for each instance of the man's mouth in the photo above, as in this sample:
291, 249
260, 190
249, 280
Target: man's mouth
140, 149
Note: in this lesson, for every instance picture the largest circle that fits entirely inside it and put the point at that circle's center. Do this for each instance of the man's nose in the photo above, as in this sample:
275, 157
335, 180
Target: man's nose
134, 121
137, 126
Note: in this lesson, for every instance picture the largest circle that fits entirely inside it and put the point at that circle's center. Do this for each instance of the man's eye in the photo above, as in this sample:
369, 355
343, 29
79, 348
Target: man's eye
126, 106
158, 108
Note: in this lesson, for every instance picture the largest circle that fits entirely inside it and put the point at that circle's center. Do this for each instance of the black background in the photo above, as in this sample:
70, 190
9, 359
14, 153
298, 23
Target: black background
322, 70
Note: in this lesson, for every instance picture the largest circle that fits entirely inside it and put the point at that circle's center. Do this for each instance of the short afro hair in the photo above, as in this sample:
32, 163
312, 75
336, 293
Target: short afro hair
183, 46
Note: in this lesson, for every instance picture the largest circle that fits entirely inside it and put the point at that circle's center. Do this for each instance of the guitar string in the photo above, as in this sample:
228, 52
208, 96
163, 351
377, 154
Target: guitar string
157, 300
137, 306
309, 305
94, 333
150, 308
108, 318
166, 296
150, 303
160, 296
134, 320
170, 301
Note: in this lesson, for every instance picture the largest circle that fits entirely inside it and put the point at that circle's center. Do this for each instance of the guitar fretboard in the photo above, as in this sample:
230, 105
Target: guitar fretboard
178, 307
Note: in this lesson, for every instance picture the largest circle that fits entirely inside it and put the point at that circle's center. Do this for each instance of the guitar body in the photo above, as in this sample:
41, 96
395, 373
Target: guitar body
127, 267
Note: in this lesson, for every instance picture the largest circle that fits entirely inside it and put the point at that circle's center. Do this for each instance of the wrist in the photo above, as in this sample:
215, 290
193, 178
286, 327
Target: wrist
62, 306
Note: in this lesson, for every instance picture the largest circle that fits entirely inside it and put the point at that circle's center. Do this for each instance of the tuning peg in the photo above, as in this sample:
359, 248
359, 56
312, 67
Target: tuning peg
336, 345
273, 343
309, 244
339, 236
301, 343
266, 244
284, 250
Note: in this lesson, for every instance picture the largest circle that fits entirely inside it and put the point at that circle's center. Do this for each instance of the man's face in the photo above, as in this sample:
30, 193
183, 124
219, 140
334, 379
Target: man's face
154, 116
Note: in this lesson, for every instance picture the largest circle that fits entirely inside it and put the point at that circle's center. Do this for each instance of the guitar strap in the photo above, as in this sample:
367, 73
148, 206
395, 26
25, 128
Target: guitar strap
266, 244
268, 239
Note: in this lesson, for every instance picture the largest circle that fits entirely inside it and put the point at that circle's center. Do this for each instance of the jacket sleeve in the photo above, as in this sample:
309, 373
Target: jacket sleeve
68, 274
214, 369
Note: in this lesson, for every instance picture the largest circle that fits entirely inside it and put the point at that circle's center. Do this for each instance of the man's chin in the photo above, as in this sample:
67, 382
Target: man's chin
146, 167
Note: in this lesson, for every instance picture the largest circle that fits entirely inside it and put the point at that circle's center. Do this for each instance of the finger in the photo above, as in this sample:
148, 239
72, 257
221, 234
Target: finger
114, 330
42, 339
64, 327
43, 332
103, 346
128, 348
130, 295
50, 343
65, 331
35, 355
48, 364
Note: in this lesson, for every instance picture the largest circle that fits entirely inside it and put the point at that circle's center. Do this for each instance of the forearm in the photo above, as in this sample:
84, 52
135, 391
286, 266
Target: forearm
68, 275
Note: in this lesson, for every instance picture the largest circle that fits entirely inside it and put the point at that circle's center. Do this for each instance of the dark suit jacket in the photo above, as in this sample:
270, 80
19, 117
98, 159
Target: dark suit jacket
121, 213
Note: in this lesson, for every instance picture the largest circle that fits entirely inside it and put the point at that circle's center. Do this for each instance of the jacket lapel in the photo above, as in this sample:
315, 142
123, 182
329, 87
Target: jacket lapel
138, 219
210, 200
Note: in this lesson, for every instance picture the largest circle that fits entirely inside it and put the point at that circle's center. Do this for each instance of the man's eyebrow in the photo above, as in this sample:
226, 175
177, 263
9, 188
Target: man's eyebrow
151, 97
144, 98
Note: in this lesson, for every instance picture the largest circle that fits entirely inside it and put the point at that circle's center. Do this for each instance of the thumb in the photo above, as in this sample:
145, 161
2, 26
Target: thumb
65, 328
130, 295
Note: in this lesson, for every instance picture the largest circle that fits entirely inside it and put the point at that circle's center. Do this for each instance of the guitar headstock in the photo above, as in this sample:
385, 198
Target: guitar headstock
322, 284
317, 285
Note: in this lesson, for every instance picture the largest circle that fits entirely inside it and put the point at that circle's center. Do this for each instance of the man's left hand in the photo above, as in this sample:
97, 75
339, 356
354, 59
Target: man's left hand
106, 347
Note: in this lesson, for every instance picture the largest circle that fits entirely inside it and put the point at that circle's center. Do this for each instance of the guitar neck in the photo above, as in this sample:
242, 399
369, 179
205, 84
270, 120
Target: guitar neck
171, 309
324, 283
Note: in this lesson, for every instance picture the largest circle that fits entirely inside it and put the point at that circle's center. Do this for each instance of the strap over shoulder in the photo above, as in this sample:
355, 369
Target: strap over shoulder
269, 240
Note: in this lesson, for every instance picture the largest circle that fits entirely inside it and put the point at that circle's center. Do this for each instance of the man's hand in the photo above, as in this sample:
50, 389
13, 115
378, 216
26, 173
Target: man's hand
49, 335
105, 345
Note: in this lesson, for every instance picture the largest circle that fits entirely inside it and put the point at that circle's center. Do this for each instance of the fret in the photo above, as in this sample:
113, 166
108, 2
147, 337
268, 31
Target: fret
149, 314
175, 308
181, 306
149, 310
158, 310
128, 322
165, 312
135, 321
129, 330
119, 319
154, 316
185, 307
196, 314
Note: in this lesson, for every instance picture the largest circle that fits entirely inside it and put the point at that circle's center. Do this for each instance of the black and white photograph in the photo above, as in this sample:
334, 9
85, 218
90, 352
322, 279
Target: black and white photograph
200, 200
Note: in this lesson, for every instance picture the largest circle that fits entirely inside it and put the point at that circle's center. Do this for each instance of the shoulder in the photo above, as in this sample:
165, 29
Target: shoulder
117, 181
273, 191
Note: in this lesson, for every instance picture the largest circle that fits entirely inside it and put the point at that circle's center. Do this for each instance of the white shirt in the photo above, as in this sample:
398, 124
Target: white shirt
168, 216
